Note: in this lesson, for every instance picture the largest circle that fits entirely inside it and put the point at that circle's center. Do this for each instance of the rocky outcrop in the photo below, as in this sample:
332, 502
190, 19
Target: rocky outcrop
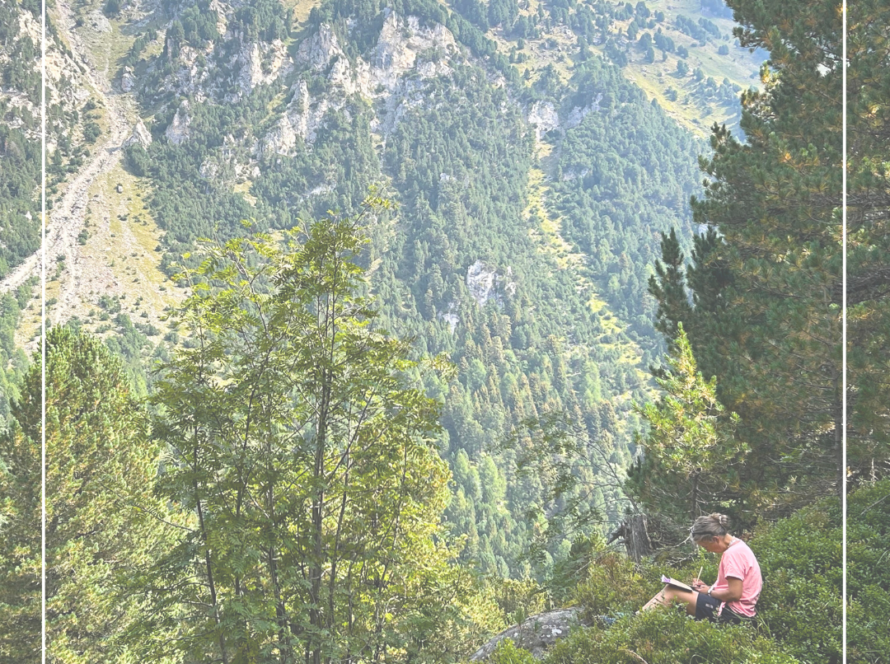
222, 24
577, 114
318, 50
393, 74
484, 283
407, 54
451, 316
401, 42
191, 77
128, 80
140, 135
301, 121
543, 117
262, 63
98, 21
535, 634
230, 163
178, 130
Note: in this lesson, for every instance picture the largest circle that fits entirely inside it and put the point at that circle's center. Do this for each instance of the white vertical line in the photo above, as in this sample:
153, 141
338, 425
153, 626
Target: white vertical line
844, 334
43, 221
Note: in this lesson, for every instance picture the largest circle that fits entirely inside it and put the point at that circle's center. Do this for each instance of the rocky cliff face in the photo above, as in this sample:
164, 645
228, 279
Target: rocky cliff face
67, 85
315, 75
317, 78
177, 131
484, 283
391, 78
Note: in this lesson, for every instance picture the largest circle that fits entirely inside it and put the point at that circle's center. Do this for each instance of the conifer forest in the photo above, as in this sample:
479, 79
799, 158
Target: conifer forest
422, 331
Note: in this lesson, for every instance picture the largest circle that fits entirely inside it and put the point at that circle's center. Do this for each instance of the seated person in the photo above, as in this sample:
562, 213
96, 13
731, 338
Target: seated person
733, 596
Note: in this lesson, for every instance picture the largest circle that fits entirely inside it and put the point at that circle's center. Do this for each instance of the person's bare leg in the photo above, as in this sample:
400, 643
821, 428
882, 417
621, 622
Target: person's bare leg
658, 600
668, 595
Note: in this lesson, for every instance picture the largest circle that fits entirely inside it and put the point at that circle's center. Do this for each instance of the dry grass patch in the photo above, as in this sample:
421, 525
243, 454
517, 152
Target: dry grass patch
120, 256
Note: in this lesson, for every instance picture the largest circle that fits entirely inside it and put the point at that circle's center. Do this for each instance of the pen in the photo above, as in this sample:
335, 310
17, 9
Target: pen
699, 573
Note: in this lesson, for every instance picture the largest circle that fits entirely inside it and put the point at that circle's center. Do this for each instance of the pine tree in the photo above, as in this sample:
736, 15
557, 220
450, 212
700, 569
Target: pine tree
691, 461
668, 286
100, 523
766, 320
868, 245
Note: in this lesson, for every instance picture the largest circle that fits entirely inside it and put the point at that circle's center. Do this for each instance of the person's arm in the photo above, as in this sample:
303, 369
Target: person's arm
730, 594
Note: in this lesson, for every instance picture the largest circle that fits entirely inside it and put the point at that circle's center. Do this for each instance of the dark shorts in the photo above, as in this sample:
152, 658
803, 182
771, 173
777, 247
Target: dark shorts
706, 609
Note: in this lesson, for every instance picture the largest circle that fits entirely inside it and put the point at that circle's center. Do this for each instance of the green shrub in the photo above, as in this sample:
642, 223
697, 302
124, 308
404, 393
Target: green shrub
112, 8
614, 585
800, 558
506, 652
666, 637
91, 131
868, 575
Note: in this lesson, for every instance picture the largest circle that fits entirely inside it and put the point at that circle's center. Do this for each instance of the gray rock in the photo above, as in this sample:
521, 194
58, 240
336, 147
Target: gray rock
485, 283
128, 80
536, 634
99, 22
178, 130
543, 117
140, 135
318, 50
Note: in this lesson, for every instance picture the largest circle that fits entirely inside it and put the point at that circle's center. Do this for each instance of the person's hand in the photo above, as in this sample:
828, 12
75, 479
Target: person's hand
699, 586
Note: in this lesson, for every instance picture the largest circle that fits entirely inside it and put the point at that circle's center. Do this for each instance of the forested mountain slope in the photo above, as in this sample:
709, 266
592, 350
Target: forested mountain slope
528, 215
533, 182
73, 125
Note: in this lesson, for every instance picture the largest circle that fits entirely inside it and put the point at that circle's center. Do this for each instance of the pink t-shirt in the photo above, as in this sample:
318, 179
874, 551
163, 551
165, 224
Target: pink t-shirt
738, 562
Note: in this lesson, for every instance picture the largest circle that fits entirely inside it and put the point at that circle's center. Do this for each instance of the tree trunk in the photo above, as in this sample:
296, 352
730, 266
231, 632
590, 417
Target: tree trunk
636, 537
839, 440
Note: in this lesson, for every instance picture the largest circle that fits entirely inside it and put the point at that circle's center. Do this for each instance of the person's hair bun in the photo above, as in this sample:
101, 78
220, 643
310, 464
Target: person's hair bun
722, 519
710, 526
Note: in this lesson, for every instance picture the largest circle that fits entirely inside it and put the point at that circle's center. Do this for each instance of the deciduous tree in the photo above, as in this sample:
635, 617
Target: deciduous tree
304, 455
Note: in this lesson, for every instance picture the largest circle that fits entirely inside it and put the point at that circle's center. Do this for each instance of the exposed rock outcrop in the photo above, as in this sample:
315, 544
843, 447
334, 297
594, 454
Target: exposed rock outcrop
178, 130
140, 135
128, 80
318, 50
451, 316
484, 283
543, 117
400, 43
261, 63
577, 114
535, 634
301, 120
407, 53
191, 77
98, 21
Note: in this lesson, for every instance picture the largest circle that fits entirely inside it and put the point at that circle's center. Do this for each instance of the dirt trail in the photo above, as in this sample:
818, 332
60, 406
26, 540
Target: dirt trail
66, 219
